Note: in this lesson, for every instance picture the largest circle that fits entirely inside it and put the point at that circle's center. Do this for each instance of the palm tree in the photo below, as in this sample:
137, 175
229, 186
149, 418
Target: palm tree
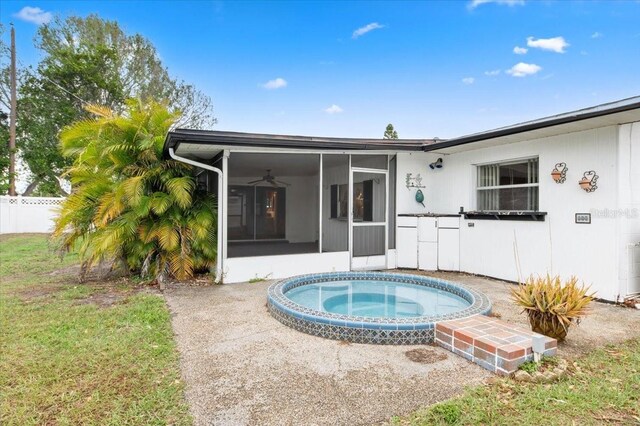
130, 205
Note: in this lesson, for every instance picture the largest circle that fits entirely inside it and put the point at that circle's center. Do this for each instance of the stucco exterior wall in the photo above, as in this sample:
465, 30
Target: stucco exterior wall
513, 250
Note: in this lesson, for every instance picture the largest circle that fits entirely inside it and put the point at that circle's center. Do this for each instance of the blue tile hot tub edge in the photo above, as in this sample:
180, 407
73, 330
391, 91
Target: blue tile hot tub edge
398, 331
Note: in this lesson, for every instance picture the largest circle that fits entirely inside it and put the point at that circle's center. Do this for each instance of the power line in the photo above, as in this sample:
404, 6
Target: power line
26, 69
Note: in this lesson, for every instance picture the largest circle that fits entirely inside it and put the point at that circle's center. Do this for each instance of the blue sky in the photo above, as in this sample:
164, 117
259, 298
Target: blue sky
348, 68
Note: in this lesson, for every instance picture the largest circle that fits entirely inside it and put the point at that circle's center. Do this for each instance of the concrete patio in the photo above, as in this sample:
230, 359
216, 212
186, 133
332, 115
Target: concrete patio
243, 367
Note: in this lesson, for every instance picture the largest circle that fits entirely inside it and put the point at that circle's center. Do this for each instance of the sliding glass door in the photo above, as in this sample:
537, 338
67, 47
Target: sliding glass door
256, 213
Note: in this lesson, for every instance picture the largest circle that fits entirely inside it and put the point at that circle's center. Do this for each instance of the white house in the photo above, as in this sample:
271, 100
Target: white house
558, 195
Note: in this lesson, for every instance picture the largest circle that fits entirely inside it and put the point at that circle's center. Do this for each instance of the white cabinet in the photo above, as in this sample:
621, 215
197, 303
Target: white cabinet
449, 222
428, 255
407, 246
428, 229
449, 249
407, 221
428, 243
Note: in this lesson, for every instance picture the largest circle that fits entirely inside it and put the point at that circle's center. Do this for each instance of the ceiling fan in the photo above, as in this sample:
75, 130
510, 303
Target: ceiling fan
268, 178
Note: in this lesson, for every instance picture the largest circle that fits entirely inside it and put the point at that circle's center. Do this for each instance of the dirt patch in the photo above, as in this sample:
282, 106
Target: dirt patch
114, 292
104, 300
632, 302
37, 293
97, 273
425, 355
104, 294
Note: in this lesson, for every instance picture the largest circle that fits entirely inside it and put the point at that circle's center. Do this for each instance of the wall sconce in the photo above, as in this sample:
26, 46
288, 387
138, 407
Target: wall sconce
559, 172
436, 164
588, 181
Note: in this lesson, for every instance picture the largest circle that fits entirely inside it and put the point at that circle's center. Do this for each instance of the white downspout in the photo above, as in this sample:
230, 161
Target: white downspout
217, 171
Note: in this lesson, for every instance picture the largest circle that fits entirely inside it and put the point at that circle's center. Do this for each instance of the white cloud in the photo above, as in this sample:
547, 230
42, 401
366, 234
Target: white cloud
596, 35
492, 73
333, 109
363, 30
34, 15
468, 80
277, 83
555, 44
522, 69
520, 50
475, 3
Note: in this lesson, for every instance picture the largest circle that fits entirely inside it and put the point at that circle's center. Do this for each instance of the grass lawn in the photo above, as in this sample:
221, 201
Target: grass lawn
604, 388
95, 353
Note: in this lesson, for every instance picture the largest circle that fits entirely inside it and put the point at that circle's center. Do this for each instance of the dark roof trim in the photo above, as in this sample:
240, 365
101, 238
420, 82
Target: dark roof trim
238, 139
582, 114
212, 137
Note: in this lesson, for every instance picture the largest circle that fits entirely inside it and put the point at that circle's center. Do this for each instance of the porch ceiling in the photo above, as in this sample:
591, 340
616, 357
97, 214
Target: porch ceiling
252, 165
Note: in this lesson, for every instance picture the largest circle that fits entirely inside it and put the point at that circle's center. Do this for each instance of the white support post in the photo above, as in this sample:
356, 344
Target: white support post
350, 216
386, 217
224, 209
320, 190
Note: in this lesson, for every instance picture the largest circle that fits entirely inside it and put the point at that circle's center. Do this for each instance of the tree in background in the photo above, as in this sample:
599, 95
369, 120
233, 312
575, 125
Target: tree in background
4, 153
390, 133
90, 61
5, 107
129, 204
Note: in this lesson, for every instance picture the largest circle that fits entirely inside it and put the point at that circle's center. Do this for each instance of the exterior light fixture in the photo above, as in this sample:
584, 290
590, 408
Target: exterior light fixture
436, 164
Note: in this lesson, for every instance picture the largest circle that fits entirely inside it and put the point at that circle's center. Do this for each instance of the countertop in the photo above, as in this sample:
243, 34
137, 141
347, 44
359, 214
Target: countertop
429, 215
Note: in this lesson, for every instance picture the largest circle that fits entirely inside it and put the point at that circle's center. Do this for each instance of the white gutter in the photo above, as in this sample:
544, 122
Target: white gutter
216, 170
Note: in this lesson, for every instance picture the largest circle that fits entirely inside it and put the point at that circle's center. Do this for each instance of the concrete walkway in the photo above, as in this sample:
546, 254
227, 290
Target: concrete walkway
242, 367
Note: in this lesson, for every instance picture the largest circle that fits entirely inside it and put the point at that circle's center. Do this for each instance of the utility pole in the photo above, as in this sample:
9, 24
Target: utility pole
12, 123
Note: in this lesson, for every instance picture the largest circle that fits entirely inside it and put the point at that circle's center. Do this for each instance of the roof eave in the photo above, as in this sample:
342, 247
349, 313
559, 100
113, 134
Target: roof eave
232, 139
527, 127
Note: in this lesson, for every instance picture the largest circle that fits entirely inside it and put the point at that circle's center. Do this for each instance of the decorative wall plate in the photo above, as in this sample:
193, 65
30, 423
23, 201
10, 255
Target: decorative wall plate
559, 172
589, 181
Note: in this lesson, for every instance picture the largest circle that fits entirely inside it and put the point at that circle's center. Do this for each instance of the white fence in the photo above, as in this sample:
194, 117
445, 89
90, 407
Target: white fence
27, 214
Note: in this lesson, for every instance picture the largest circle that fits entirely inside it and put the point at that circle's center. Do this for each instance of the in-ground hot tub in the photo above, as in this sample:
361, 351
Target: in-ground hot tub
372, 307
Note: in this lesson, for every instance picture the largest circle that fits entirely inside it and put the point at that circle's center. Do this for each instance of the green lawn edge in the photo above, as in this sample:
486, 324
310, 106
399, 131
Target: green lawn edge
66, 360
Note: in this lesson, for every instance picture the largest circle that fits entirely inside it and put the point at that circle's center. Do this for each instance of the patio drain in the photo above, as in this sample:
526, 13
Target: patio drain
425, 356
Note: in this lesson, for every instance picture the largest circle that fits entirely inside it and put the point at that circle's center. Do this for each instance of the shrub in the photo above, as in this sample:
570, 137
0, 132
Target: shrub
552, 306
128, 203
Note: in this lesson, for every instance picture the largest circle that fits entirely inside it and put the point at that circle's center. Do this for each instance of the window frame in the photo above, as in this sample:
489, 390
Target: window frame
511, 186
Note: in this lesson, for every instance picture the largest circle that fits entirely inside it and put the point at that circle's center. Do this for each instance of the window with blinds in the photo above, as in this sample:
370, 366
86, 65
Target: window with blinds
508, 186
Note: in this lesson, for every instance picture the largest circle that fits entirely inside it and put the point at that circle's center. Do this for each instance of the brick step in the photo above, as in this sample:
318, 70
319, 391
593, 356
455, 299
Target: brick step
491, 343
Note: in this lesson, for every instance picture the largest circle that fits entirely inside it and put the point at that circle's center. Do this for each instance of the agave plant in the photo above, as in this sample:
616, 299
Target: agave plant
130, 205
551, 305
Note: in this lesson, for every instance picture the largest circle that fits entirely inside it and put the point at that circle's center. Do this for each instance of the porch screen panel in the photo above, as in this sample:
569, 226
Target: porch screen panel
369, 214
335, 202
273, 204
380, 162
392, 202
